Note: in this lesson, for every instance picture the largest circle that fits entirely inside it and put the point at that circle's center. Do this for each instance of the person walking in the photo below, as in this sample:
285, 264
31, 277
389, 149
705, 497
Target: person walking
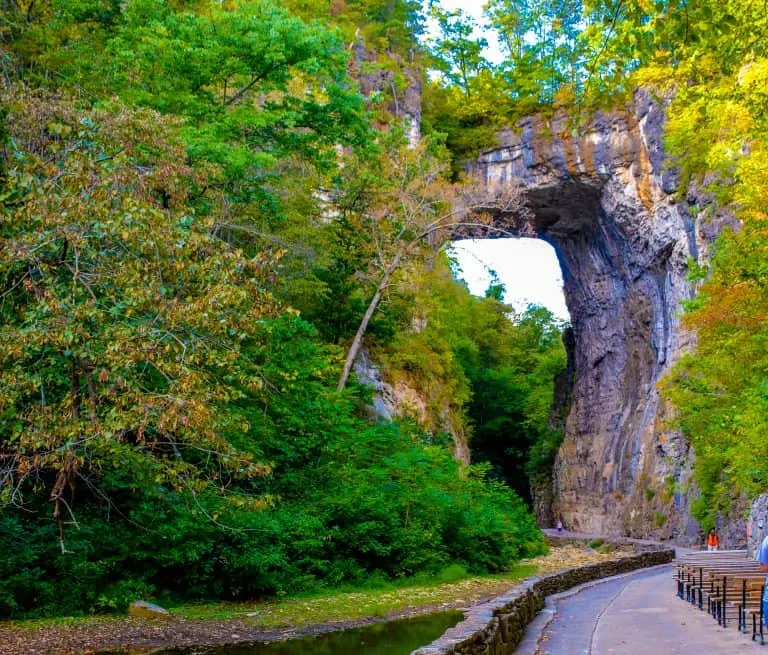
713, 541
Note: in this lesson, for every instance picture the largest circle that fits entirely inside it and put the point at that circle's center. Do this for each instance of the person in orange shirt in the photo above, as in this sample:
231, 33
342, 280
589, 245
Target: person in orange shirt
713, 541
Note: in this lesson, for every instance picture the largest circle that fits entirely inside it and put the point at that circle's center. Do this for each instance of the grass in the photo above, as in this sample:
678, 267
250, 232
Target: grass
453, 587
383, 599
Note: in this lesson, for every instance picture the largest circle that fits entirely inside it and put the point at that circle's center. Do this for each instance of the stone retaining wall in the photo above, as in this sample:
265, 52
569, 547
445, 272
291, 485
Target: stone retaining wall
497, 627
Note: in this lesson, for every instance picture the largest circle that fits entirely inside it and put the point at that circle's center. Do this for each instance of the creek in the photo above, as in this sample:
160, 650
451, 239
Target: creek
387, 638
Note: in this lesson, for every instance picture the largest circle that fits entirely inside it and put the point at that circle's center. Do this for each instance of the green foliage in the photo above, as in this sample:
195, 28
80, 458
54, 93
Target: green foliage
587, 54
717, 131
391, 26
544, 68
492, 372
358, 499
122, 319
541, 38
213, 67
171, 179
512, 393
259, 90
721, 390
458, 53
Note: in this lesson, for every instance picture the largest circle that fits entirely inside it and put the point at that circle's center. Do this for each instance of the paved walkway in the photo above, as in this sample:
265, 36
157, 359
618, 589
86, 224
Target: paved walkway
639, 613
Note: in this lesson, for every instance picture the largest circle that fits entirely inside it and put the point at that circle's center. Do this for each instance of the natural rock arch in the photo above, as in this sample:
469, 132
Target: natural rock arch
604, 199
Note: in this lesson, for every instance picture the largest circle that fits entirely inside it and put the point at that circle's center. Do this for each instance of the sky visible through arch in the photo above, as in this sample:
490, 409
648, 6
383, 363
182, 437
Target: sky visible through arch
528, 268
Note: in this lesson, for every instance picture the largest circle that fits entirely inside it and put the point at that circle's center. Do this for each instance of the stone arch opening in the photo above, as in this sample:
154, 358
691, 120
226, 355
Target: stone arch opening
605, 201
528, 268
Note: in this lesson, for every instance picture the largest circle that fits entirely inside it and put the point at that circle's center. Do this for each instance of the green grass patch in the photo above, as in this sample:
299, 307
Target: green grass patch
378, 598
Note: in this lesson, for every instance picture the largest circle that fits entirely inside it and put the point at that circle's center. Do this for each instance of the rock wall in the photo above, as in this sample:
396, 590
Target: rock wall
756, 528
604, 197
391, 400
404, 100
497, 627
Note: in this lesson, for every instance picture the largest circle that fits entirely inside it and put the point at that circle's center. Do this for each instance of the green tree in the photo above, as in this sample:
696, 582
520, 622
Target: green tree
484, 373
541, 38
259, 90
458, 52
122, 318
165, 168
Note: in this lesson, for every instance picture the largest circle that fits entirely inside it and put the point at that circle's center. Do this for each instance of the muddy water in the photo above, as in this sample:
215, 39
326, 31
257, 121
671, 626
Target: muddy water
390, 638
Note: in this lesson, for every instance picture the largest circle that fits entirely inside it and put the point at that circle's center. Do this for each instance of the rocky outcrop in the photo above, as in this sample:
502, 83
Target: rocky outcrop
756, 528
145, 610
605, 198
404, 100
398, 400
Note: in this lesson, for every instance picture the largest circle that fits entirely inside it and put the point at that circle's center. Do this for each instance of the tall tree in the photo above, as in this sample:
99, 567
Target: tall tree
414, 209
458, 52
123, 319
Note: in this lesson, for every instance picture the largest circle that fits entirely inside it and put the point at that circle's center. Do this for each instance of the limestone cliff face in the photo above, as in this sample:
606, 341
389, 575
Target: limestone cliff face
404, 100
604, 199
397, 399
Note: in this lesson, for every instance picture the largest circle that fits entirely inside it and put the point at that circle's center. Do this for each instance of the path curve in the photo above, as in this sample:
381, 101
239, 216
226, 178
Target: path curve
636, 613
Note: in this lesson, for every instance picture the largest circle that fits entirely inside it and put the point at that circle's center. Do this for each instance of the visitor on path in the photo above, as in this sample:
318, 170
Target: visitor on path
559, 526
713, 541
762, 558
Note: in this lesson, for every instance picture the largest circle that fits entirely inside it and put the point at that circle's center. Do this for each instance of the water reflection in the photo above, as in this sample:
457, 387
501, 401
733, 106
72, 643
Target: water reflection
390, 638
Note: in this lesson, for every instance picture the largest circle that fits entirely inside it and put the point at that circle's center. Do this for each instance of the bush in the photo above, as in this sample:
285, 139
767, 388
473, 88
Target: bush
354, 501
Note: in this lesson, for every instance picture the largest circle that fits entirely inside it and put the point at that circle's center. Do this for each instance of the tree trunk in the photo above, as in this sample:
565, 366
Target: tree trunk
75, 391
357, 342
431, 229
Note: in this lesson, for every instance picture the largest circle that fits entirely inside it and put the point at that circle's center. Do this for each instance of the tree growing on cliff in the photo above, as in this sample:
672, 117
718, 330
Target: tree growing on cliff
407, 207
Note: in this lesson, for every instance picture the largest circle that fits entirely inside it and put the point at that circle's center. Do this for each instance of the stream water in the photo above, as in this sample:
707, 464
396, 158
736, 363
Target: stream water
388, 638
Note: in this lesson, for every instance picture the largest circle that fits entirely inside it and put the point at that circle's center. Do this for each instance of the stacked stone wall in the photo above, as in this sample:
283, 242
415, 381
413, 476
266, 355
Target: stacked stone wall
497, 627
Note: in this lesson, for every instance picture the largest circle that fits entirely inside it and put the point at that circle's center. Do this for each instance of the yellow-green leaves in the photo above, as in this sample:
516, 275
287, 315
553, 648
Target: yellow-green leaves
123, 318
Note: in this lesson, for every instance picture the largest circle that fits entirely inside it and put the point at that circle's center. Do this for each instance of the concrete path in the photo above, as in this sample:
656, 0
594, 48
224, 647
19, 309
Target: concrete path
638, 613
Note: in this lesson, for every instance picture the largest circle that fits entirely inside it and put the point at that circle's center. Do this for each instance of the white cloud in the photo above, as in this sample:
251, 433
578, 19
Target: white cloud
528, 268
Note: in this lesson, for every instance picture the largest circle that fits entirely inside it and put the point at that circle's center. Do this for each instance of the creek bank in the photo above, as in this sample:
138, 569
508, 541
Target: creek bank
143, 637
269, 621
397, 637
497, 627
